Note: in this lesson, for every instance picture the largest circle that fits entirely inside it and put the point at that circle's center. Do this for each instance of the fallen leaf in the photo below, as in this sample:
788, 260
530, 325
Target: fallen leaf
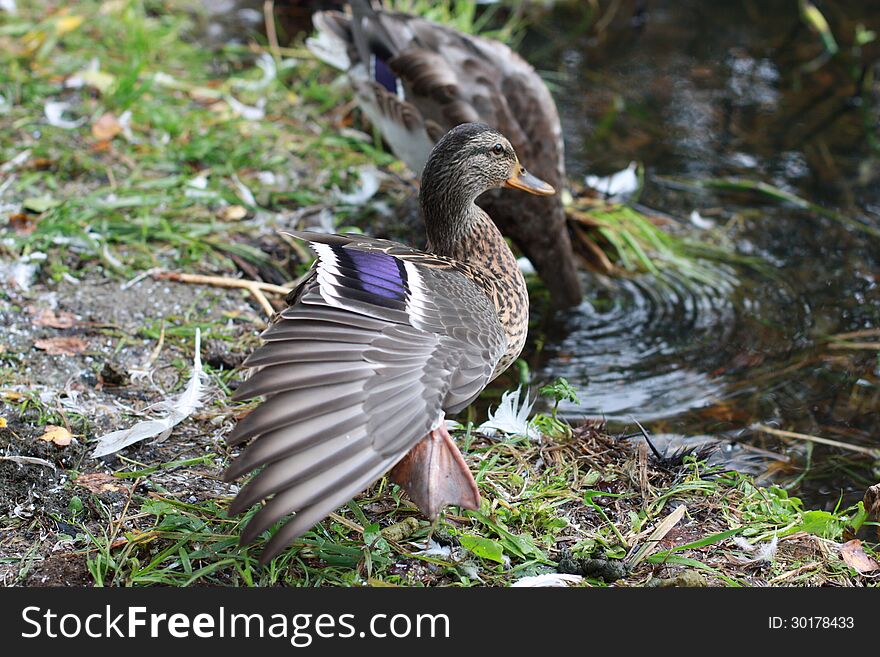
231, 213
854, 556
22, 223
40, 164
483, 547
48, 317
106, 127
58, 435
100, 80
2, 422
100, 482
68, 24
40, 204
66, 346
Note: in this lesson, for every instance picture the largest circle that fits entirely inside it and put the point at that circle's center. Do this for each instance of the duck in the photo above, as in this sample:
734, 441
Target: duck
377, 345
415, 79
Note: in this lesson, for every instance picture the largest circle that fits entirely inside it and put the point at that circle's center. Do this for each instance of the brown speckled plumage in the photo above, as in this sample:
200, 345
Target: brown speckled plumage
448, 78
377, 345
495, 271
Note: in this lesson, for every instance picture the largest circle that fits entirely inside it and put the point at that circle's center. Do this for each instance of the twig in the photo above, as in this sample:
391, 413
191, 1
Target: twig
659, 533
603, 23
271, 33
870, 346
137, 279
348, 523
863, 333
222, 281
302, 252
602, 261
118, 525
157, 349
256, 288
873, 453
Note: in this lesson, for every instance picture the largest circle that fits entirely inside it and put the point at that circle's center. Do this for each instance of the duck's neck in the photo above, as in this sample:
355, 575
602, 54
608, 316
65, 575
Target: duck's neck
451, 225
459, 229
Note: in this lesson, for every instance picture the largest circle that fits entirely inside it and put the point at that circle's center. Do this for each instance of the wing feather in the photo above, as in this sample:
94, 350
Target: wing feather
354, 378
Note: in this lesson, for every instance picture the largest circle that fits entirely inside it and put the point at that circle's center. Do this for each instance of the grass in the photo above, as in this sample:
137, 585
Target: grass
579, 506
463, 15
156, 196
208, 130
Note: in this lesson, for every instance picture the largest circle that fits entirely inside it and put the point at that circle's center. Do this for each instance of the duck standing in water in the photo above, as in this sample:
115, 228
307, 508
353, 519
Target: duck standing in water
415, 79
378, 344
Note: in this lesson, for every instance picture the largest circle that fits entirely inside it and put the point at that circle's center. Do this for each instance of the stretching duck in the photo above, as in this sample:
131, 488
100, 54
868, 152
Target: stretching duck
378, 344
415, 79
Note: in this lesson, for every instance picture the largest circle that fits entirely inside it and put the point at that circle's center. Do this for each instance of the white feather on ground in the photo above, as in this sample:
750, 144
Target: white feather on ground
369, 181
510, 418
434, 549
618, 185
244, 192
248, 112
270, 71
178, 409
549, 579
54, 112
28, 460
760, 553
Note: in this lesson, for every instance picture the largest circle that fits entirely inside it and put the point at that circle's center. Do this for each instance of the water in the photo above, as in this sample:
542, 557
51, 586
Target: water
702, 90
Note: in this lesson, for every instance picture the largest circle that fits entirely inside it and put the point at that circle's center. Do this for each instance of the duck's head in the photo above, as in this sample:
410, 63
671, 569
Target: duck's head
471, 159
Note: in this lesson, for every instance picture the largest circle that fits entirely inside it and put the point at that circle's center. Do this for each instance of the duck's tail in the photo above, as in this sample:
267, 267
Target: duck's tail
344, 41
332, 41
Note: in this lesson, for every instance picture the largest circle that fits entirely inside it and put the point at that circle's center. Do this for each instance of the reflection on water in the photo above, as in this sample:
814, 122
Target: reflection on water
636, 347
701, 90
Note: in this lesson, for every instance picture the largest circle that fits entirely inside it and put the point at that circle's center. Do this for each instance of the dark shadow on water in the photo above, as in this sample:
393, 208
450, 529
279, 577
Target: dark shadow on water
702, 90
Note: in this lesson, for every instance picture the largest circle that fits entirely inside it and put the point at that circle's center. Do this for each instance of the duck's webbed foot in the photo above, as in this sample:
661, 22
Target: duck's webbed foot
435, 475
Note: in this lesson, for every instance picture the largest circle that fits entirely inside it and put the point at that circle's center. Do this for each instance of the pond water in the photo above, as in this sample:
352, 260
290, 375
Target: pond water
698, 90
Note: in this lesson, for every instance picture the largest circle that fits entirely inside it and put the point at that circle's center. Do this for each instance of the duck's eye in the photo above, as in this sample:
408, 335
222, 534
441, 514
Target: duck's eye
498, 149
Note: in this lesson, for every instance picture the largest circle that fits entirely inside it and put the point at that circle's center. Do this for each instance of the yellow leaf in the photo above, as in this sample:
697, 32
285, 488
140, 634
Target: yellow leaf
67, 24
58, 435
231, 213
100, 80
2, 422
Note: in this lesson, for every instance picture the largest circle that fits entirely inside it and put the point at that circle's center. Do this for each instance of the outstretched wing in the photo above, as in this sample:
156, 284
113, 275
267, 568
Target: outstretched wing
376, 345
